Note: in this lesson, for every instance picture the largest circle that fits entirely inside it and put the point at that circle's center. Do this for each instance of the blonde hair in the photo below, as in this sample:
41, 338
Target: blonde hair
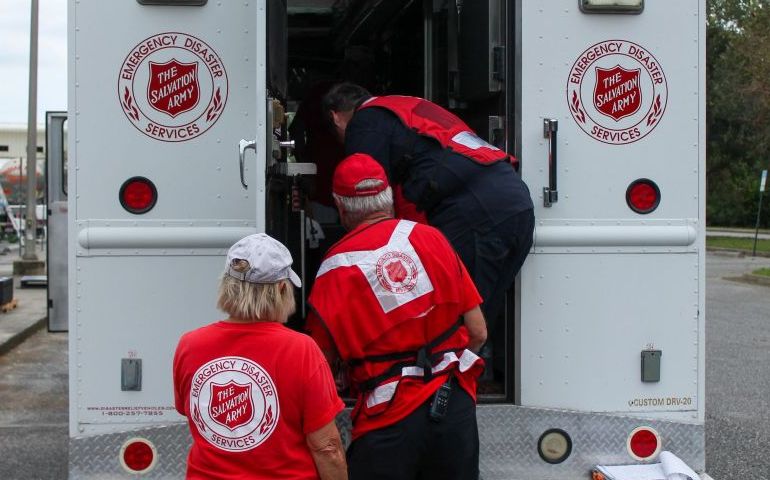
255, 301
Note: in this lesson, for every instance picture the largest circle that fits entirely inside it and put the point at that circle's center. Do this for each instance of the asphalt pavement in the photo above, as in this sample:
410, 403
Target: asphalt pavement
33, 385
34, 411
737, 370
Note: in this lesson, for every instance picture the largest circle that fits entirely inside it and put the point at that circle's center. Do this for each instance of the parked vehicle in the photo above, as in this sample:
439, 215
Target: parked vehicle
604, 340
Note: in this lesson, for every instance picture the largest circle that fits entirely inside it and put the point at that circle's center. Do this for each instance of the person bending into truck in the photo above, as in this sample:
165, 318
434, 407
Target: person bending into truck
443, 174
393, 301
259, 398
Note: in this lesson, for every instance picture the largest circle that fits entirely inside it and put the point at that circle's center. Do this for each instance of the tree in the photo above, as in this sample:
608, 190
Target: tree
738, 107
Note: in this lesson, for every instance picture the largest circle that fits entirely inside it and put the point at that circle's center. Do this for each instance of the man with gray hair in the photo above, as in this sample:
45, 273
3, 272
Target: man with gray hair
445, 175
394, 303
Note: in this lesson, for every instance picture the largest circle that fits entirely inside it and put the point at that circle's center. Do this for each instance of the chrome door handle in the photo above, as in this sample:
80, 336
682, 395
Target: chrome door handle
244, 145
551, 193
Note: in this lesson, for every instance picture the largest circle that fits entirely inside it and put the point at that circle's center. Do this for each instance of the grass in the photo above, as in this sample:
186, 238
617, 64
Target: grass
736, 243
765, 272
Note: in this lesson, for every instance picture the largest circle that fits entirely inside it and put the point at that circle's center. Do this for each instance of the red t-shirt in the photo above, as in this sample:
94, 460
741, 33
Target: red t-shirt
251, 393
411, 392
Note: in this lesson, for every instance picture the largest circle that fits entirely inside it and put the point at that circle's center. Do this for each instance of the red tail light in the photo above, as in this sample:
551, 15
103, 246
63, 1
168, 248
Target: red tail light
138, 455
643, 196
138, 195
643, 443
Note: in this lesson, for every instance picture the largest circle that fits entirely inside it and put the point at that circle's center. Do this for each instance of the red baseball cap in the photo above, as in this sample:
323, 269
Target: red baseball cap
353, 170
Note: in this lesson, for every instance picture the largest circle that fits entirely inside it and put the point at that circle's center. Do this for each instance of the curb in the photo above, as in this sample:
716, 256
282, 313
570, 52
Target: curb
751, 279
726, 252
756, 279
22, 335
718, 230
735, 252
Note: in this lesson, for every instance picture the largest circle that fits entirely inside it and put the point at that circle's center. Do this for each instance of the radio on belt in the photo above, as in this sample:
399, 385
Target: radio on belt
440, 404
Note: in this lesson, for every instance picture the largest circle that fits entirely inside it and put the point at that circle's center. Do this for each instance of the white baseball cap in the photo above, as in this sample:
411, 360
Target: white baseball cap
269, 260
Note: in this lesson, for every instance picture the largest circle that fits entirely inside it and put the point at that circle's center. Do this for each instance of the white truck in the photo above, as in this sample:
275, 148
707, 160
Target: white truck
602, 357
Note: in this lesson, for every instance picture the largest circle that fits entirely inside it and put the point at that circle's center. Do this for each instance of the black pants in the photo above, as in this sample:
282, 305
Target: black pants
417, 448
493, 257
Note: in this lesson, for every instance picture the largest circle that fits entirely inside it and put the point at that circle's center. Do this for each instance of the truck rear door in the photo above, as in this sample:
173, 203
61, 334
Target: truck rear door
612, 143
161, 94
56, 220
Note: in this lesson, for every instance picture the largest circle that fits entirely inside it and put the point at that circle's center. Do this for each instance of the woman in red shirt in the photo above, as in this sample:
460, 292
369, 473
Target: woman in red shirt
259, 398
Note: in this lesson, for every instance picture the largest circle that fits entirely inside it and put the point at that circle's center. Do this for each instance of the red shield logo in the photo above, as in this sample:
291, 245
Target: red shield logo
231, 404
173, 87
396, 271
617, 93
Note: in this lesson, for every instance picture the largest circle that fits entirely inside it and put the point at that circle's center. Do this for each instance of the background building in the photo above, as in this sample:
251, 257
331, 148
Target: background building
13, 162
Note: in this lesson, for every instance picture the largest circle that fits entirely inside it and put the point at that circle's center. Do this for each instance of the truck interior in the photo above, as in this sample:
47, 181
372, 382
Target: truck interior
453, 52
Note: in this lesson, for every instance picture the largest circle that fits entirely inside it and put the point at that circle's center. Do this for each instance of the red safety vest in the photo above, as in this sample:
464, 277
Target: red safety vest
390, 281
430, 120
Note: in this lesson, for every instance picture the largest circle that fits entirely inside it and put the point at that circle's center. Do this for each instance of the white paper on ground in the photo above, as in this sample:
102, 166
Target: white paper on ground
675, 468
670, 467
649, 471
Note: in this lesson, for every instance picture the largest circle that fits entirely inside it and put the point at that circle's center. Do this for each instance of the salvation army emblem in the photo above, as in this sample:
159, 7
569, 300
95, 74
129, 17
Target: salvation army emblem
172, 87
396, 272
231, 404
234, 403
617, 92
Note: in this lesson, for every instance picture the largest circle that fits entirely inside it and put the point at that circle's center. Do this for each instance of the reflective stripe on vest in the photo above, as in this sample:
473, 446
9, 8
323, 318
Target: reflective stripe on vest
398, 253
433, 121
383, 393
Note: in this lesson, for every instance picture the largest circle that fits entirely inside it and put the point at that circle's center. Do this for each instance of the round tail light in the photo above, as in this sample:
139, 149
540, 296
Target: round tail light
138, 455
643, 443
643, 196
138, 195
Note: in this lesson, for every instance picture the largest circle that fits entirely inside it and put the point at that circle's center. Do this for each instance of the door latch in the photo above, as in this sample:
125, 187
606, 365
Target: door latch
551, 193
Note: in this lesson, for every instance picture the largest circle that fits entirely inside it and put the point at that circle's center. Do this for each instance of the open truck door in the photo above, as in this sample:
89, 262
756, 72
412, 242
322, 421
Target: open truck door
611, 298
56, 220
161, 94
